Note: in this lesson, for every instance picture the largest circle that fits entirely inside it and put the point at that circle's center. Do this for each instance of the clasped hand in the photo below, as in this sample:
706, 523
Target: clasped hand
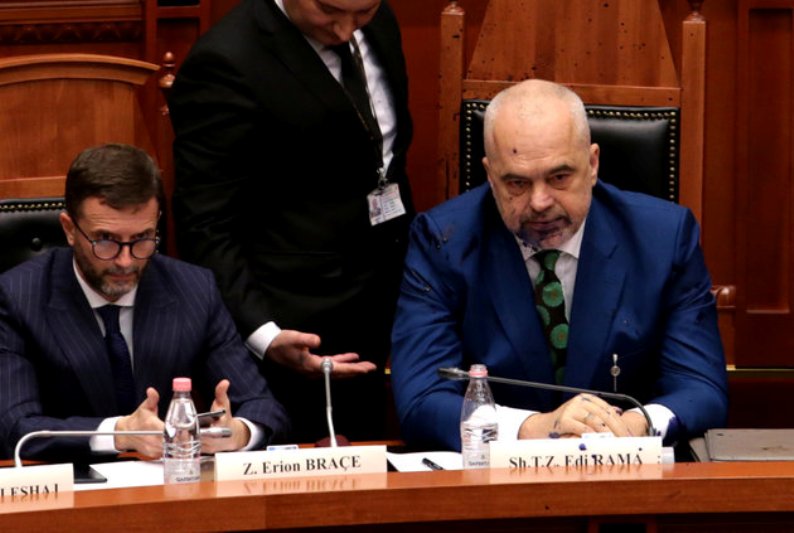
145, 418
583, 413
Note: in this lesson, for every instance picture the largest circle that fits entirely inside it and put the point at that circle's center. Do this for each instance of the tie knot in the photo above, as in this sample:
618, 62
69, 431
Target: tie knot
110, 316
342, 50
547, 259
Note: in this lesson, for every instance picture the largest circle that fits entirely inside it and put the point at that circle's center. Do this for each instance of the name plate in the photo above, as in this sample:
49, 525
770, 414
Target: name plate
304, 462
32, 482
537, 453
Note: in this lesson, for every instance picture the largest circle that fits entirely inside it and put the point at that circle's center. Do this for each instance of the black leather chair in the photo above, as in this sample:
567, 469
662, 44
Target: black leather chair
639, 147
28, 228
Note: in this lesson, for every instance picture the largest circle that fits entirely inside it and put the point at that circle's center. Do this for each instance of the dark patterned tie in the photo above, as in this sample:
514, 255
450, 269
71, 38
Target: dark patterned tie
354, 81
550, 303
120, 361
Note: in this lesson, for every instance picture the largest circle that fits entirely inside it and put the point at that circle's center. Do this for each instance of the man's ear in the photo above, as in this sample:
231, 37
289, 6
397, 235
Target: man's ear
487, 165
595, 152
68, 227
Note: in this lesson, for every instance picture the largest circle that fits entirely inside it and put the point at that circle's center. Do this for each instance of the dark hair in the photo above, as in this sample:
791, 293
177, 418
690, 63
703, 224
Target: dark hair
120, 174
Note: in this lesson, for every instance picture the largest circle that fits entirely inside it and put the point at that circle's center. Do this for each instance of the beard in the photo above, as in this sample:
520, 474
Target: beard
542, 235
100, 280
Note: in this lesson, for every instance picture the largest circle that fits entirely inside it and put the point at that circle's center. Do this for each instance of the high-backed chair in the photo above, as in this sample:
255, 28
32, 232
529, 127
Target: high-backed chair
29, 227
616, 55
639, 146
641, 75
52, 107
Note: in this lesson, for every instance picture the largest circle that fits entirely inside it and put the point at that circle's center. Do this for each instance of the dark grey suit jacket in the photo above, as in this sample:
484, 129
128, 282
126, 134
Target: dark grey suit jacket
55, 373
273, 167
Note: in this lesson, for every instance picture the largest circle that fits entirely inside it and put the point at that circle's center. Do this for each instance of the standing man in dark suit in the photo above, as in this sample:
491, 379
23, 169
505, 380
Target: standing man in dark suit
546, 274
160, 318
292, 127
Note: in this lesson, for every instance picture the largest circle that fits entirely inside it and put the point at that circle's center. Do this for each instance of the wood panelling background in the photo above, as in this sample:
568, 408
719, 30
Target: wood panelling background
748, 185
764, 142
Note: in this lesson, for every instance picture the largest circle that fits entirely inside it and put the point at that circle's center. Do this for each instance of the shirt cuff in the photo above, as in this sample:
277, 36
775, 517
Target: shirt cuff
660, 417
510, 420
259, 341
257, 434
105, 443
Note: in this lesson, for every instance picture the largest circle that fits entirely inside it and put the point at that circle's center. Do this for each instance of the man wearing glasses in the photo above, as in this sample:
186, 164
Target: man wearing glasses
91, 336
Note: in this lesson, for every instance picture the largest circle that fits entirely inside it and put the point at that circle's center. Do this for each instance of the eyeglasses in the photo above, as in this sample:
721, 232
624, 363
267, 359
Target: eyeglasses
109, 249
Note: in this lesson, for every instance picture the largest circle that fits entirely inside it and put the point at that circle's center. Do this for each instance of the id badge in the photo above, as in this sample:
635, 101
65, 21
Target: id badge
385, 204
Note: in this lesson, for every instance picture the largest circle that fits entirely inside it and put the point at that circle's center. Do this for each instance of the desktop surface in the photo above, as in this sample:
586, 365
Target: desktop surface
744, 495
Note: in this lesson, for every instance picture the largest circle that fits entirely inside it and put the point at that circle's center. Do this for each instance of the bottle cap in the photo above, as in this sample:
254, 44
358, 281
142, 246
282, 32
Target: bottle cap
478, 371
182, 384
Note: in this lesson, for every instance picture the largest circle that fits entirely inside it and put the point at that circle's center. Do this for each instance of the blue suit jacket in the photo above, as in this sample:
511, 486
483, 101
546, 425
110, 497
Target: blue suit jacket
642, 291
55, 373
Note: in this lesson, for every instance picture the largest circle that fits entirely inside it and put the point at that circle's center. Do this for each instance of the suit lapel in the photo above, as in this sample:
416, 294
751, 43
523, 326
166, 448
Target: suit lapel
599, 283
290, 47
76, 331
155, 332
510, 289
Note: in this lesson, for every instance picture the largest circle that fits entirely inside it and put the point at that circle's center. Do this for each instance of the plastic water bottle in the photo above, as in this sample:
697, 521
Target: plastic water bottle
478, 424
181, 441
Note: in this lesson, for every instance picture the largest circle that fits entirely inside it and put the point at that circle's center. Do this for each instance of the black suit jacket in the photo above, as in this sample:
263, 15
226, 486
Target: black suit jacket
273, 167
54, 370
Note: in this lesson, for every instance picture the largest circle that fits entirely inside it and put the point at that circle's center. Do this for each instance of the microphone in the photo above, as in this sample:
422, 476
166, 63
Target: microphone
328, 367
456, 374
214, 432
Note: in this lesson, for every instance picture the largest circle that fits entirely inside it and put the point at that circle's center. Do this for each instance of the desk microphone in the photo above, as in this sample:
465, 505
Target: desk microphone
456, 374
216, 432
328, 367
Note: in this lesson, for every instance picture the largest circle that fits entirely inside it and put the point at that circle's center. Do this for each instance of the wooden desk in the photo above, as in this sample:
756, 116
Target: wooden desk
689, 496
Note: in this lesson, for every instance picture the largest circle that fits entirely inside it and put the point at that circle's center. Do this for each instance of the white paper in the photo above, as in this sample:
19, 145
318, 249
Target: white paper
412, 462
124, 474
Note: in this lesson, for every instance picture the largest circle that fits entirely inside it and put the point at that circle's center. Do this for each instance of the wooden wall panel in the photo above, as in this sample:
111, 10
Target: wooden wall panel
747, 183
765, 187
719, 190
630, 35
419, 22
77, 110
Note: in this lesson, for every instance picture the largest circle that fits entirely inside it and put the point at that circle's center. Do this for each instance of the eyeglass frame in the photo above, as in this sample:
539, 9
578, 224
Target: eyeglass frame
120, 244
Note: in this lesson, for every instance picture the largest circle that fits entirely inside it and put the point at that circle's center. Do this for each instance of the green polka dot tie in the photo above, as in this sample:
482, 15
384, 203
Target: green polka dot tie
550, 303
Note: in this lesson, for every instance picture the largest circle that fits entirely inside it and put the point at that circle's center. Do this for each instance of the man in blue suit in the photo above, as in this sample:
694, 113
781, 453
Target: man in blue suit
57, 372
621, 285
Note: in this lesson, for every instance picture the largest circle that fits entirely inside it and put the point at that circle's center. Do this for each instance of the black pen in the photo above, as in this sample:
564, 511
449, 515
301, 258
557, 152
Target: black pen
432, 465
205, 419
212, 414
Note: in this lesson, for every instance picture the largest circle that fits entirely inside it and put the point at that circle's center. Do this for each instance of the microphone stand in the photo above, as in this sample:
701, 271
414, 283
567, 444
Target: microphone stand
46, 433
68, 433
456, 374
327, 367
